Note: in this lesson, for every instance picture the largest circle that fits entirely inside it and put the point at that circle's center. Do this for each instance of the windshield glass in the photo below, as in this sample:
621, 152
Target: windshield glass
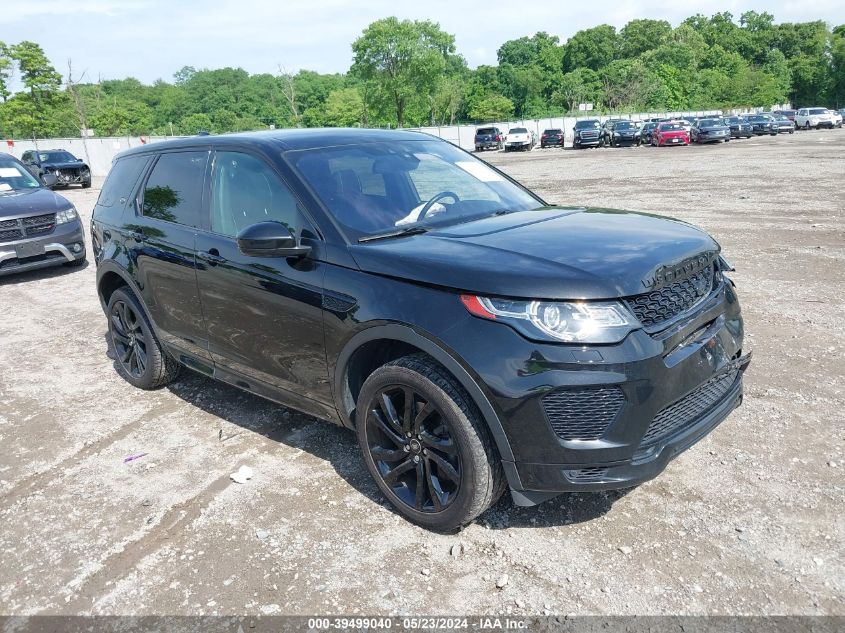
57, 157
670, 126
486, 130
548, 132
818, 111
517, 130
709, 122
586, 125
623, 125
374, 188
758, 118
13, 176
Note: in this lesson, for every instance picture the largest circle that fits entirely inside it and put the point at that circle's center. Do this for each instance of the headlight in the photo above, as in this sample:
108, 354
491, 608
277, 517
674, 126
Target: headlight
581, 322
68, 215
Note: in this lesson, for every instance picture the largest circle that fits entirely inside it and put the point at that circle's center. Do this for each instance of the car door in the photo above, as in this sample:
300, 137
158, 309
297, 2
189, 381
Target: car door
263, 315
161, 240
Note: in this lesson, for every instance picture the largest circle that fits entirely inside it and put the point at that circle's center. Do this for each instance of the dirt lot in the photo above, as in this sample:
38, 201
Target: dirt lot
749, 521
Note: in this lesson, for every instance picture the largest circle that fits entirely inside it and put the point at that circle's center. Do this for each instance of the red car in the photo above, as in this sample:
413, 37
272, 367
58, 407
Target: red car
670, 133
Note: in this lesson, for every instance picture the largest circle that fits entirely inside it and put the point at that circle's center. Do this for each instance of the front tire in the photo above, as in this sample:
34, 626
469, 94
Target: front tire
426, 445
139, 357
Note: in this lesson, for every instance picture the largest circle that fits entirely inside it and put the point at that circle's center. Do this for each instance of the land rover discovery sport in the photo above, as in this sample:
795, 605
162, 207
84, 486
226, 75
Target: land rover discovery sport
474, 337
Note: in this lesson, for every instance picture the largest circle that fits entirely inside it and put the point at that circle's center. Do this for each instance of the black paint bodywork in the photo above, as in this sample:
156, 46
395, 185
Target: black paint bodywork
292, 329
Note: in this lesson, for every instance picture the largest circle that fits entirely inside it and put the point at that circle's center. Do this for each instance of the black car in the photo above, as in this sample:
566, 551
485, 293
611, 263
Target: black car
783, 124
38, 227
740, 128
621, 133
646, 131
474, 337
587, 133
552, 137
489, 138
68, 169
711, 130
761, 124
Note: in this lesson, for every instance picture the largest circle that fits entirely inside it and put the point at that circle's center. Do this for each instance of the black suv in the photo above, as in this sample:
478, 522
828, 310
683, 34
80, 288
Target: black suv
587, 133
619, 133
68, 169
474, 337
38, 228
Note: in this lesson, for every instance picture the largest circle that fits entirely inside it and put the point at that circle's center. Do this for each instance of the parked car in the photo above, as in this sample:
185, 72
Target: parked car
552, 137
739, 127
684, 122
789, 114
646, 131
488, 138
783, 124
761, 124
807, 118
519, 138
587, 133
68, 169
620, 133
357, 275
670, 133
38, 227
837, 118
710, 131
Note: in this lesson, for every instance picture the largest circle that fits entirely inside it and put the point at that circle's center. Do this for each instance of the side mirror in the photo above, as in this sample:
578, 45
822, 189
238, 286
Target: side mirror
270, 239
49, 180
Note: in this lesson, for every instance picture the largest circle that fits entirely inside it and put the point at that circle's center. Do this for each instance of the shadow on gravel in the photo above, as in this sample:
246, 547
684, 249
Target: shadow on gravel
339, 447
59, 270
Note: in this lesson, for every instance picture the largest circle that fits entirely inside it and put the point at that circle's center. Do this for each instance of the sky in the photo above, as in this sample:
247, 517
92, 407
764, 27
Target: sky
152, 39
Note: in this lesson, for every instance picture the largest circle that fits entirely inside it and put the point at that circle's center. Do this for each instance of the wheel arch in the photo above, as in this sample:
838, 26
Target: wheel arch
110, 277
386, 342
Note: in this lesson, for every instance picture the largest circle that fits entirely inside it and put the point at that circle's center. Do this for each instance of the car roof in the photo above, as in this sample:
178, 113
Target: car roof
288, 139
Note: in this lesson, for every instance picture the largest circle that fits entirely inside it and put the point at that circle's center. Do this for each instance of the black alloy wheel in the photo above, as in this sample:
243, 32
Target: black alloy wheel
426, 445
130, 347
138, 355
413, 449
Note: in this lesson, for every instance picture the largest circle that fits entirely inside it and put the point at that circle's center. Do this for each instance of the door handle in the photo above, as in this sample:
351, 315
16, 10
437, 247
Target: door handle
212, 256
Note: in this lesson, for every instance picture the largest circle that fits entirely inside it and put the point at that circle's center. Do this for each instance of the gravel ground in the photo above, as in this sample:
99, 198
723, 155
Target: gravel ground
749, 521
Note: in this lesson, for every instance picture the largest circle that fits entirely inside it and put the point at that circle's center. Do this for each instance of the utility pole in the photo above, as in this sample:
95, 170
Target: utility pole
80, 111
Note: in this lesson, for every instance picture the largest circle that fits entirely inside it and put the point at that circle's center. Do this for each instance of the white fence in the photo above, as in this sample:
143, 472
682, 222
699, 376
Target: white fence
99, 152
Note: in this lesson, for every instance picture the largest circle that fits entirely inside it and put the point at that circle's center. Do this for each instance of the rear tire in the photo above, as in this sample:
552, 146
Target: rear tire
413, 417
139, 357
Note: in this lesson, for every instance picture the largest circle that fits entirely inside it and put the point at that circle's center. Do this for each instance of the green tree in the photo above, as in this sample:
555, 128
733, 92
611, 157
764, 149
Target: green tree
6, 66
492, 108
344, 108
639, 36
592, 48
582, 85
401, 60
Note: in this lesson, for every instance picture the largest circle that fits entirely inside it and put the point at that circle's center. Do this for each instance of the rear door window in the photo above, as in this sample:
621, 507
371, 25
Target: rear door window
173, 192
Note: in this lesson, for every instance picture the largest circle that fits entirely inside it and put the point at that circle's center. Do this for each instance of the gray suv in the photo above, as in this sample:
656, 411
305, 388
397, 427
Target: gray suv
38, 228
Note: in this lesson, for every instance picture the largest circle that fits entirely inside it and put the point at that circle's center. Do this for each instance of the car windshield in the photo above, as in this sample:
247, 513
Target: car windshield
671, 126
56, 157
14, 176
518, 130
758, 118
782, 117
586, 125
486, 130
734, 120
376, 188
709, 122
623, 125
818, 111
548, 132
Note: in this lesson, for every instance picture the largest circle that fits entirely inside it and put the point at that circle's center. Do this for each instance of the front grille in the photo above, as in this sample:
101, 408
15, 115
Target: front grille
582, 414
662, 305
10, 235
589, 134
19, 228
690, 408
586, 475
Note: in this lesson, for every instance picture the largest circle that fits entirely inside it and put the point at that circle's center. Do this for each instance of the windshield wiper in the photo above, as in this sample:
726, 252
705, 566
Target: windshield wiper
411, 230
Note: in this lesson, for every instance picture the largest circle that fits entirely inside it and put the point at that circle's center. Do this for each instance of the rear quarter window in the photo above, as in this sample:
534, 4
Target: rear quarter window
121, 180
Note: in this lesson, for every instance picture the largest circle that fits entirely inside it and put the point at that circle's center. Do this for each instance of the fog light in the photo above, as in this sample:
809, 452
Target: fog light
76, 248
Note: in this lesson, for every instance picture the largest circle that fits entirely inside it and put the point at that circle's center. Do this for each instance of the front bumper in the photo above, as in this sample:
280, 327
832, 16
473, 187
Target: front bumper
659, 376
59, 247
74, 177
588, 142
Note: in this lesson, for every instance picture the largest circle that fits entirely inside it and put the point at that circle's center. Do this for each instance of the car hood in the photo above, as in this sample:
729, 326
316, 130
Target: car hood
553, 253
31, 202
69, 165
